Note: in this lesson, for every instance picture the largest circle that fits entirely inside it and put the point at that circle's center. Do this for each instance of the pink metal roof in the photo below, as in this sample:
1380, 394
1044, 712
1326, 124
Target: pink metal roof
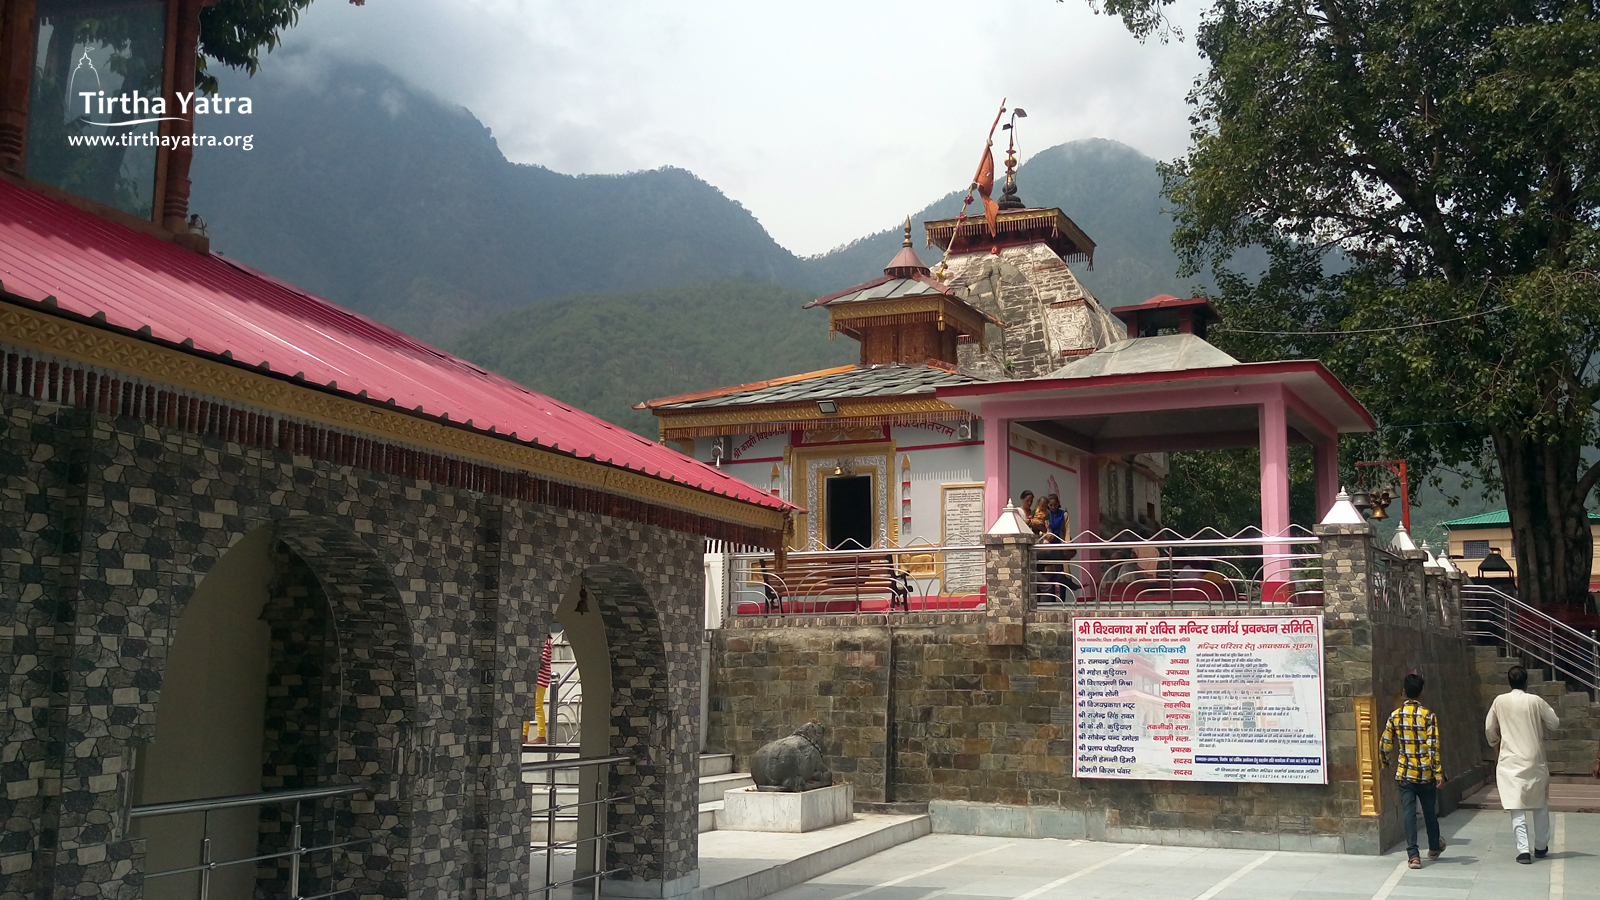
90, 266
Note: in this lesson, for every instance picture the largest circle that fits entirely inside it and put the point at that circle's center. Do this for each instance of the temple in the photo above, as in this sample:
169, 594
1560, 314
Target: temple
873, 454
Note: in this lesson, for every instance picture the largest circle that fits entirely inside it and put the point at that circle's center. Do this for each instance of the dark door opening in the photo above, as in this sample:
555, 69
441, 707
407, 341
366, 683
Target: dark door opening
849, 510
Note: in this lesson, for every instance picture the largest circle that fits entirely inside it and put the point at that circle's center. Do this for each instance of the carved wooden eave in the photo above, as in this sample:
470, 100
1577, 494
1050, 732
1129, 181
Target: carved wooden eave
853, 318
773, 418
1015, 226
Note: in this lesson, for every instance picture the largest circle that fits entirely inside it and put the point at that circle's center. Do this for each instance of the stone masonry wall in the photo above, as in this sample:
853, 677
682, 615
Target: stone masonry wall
975, 727
108, 524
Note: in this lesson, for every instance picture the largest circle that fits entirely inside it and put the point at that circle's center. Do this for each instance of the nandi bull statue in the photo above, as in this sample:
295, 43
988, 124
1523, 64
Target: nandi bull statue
793, 763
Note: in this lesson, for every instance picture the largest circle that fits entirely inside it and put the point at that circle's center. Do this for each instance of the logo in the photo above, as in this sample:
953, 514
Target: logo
144, 110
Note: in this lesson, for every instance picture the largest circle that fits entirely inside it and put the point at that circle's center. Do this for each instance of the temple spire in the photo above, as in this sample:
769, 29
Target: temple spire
1008, 196
906, 263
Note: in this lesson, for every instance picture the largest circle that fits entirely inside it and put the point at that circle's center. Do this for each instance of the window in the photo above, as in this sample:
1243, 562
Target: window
108, 50
1474, 549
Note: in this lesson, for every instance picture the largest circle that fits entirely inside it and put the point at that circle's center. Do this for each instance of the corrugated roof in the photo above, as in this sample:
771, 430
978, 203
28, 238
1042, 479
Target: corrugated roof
1138, 356
1498, 518
92, 266
892, 380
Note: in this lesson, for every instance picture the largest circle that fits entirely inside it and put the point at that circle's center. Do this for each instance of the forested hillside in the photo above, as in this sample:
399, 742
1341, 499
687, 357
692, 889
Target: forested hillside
604, 353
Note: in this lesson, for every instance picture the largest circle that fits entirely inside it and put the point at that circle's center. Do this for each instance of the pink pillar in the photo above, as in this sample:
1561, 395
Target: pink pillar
1327, 468
1088, 513
1274, 467
996, 468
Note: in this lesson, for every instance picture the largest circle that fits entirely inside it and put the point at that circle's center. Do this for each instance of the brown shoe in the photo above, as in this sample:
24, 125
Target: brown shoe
1434, 854
1415, 863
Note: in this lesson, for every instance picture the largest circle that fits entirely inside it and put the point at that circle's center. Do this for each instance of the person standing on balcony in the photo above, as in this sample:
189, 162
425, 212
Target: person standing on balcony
1518, 722
1412, 736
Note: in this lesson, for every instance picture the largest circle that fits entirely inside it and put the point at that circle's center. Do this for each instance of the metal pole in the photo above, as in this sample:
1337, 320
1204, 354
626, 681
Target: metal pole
295, 844
550, 830
602, 827
205, 855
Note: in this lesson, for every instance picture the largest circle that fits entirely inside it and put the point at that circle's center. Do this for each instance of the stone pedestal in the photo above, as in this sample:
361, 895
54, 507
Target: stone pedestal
747, 809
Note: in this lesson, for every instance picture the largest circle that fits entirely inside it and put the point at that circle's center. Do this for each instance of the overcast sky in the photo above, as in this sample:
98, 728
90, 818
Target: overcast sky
827, 120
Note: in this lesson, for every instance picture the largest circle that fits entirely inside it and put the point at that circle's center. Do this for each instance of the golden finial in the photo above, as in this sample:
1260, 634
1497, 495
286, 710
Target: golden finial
907, 241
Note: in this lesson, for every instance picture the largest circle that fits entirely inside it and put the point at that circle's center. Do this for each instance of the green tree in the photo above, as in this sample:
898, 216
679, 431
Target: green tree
1423, 174
235, 32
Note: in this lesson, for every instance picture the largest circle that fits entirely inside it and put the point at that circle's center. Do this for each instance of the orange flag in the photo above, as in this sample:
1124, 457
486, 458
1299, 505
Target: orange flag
985, 182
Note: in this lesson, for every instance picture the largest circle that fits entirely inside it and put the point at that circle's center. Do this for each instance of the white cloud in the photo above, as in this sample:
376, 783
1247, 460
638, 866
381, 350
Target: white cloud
828, 120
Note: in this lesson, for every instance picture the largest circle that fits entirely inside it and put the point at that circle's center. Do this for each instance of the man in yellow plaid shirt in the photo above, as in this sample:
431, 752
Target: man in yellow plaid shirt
1412, 737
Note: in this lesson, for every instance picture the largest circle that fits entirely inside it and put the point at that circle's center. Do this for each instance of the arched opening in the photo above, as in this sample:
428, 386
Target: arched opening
209, 738
615, 634
291, 667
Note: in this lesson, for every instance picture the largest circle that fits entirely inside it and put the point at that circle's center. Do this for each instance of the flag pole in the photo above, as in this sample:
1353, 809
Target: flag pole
961, 216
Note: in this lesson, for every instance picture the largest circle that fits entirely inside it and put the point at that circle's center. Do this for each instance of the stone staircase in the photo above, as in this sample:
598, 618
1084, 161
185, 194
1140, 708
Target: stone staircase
1572, 750
717, 777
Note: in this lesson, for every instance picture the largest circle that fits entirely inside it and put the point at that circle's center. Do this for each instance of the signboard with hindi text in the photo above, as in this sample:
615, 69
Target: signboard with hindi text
1210, 698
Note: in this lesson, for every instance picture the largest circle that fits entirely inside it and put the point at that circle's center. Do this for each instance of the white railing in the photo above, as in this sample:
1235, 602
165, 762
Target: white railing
1209, 571
896, 579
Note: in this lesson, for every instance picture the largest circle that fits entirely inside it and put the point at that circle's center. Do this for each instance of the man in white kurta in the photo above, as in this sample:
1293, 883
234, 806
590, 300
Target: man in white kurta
1518, 722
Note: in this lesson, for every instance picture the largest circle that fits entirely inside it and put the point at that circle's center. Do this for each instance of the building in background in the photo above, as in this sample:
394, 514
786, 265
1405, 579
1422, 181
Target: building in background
1474, 538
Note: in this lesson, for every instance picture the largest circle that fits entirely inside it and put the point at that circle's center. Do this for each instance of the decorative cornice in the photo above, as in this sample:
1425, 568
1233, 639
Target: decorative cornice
965, 317
805, 413
84, 343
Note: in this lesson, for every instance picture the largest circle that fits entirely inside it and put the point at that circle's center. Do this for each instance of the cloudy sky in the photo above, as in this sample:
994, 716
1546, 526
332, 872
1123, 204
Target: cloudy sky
828, 120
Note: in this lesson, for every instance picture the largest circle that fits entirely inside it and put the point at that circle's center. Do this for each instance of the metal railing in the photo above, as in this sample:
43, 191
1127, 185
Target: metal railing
1220, 573
932, 578
1527, 631
586, 854
297, 849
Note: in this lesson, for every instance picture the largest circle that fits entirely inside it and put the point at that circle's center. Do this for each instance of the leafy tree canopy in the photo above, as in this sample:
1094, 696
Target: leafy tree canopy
235, 32
1425, 175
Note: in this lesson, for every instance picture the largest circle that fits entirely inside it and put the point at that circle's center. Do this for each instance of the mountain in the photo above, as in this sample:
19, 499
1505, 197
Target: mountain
401, 206
598, 290
1111, 190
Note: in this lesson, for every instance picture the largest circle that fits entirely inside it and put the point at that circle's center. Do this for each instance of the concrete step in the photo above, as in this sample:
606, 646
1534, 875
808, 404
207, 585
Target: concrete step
715, 764
745, 865
712, 787
708, 815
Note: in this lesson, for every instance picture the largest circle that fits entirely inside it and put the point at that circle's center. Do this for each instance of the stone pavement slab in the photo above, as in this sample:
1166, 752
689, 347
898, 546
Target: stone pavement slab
1479, 864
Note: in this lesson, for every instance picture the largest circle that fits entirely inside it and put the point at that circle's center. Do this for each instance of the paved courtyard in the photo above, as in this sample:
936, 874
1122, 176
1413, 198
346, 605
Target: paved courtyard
1479, 863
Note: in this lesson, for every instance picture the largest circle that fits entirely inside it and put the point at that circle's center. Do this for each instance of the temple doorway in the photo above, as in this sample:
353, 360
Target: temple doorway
849, 512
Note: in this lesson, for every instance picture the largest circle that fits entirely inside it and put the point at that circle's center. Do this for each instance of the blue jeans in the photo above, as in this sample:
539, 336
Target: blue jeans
1411, 793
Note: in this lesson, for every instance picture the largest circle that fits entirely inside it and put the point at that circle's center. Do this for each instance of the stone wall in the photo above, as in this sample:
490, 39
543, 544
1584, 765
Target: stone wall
441, 597
983, 732
972, 713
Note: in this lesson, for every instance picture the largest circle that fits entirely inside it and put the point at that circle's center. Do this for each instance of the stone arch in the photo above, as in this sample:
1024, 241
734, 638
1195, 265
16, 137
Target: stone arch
376, 699
639, 708
351, 704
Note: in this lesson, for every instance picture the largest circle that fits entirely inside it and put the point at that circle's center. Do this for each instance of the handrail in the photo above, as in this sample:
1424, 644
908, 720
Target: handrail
915, 578
1524, 629
553, 811
207, 866
552, 764
237, 800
